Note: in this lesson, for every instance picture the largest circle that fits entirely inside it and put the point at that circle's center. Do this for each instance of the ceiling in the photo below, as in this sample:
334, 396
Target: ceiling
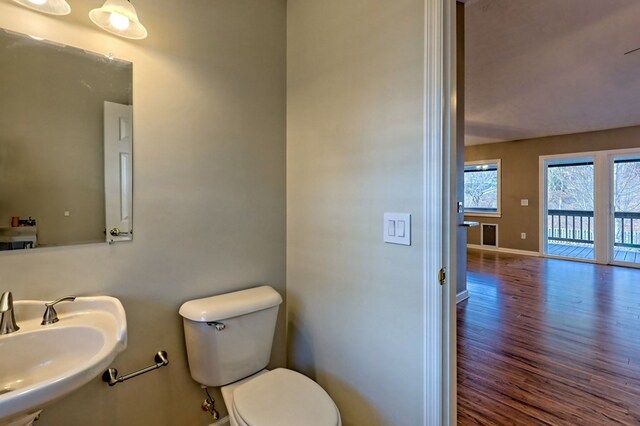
550, 67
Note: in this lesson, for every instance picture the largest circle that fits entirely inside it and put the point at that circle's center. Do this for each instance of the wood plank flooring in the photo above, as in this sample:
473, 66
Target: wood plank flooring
548, 342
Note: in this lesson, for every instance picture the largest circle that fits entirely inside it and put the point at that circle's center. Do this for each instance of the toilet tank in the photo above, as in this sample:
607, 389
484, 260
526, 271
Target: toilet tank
229, 336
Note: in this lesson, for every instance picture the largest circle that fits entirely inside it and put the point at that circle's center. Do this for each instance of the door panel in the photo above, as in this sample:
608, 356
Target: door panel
625, 206
569, 212
118, 135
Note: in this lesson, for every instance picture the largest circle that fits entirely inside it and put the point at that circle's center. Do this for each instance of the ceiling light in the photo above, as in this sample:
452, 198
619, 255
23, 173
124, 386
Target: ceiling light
118, 17
52, 7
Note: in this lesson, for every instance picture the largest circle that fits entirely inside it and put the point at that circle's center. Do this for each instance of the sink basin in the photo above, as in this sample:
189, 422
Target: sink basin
42, 363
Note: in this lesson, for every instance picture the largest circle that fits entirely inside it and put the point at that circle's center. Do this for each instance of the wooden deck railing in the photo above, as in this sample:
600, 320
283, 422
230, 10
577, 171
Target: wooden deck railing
577, 226
574, 226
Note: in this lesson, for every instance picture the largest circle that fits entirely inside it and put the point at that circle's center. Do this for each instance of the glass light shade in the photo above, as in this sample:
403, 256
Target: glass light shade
119, 17
119, 22
52, 7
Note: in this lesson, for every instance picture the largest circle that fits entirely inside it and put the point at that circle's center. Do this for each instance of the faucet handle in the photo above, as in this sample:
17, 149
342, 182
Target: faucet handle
62, 299
50, 315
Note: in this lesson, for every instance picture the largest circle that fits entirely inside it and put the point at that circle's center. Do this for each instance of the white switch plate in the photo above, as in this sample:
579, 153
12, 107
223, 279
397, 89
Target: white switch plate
524, 202
523, 235
397, 228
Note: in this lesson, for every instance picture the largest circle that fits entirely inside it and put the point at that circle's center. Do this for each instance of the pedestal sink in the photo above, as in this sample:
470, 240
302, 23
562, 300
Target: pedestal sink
42, 363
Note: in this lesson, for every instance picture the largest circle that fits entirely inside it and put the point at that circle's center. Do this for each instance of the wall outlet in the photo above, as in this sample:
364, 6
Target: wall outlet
523, 235
524, 202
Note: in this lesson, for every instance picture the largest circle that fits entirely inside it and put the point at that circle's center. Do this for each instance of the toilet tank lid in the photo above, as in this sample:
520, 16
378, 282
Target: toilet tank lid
229, 305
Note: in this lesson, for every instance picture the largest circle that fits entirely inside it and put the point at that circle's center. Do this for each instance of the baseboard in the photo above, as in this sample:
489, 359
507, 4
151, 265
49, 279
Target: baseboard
463, 295
504, 250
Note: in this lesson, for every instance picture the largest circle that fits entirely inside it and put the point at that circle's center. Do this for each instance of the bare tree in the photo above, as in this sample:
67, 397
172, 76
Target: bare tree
481, 189
570, 187
626, 194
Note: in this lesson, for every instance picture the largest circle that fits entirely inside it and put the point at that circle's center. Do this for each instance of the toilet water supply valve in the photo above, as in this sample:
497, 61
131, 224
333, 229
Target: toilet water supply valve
208, 405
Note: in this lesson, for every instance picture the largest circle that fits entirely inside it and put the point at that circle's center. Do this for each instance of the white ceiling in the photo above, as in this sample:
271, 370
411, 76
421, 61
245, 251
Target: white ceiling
550, 67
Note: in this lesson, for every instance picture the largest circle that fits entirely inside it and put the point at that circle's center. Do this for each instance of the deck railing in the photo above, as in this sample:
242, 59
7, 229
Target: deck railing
627, 229
577, 226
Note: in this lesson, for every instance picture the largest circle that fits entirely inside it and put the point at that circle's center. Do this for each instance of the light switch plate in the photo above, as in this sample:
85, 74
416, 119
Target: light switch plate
397, 228
524, 202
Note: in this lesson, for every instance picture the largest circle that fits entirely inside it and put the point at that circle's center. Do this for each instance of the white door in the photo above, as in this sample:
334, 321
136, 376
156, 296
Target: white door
118, 146
624, 209
569, 210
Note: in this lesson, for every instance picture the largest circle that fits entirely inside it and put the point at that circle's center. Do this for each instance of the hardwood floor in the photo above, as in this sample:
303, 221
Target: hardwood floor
548, 342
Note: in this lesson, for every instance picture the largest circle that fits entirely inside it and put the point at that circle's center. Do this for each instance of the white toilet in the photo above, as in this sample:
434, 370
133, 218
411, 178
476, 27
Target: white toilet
229, 340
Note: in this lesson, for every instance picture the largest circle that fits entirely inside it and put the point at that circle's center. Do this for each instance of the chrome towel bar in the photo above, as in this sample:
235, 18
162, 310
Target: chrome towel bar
111, 375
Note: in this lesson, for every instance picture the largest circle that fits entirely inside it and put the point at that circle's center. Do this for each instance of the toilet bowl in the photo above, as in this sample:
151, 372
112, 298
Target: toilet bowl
280, 397
229, 339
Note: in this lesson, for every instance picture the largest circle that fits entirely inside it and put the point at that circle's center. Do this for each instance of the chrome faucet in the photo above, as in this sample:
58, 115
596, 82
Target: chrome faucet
7, 317
50, 315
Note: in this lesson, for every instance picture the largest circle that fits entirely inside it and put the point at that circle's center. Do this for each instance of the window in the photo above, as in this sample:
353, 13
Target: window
482, 188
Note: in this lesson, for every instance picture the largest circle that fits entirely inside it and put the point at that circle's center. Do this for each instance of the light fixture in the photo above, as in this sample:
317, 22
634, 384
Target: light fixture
52, 7
118, 17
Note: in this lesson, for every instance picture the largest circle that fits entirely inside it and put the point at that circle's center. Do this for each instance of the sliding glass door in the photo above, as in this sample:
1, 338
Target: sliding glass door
569, 212
625, 204
590, 207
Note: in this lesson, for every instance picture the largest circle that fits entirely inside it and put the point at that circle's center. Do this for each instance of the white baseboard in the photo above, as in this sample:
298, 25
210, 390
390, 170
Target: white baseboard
463, 295
504, 250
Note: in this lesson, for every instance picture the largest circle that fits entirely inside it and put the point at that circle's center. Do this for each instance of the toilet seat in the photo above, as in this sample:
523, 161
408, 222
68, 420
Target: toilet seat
283, 398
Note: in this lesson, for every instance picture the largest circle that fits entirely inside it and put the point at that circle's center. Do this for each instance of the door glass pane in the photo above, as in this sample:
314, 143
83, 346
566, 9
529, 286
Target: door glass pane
570, 214
626, 210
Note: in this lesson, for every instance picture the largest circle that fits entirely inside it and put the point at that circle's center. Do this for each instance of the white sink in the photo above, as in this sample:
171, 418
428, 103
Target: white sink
42, 363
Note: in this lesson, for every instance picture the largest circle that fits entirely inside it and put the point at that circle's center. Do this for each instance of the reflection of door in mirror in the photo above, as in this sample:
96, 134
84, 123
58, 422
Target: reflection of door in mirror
52, 139
117, 171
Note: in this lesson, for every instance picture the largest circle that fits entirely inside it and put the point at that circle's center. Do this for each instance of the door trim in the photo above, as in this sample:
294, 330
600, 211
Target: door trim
439, 133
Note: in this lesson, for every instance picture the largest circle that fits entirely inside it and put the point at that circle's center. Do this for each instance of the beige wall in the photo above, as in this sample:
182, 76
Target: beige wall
520, 178
354, 150
209, 192
51, 116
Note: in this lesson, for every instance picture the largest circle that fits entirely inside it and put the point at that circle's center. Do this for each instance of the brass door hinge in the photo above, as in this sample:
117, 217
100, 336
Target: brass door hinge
442, 275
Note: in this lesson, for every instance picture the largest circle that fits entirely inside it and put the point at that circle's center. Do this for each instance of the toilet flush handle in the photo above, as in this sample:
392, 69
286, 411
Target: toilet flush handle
218, 325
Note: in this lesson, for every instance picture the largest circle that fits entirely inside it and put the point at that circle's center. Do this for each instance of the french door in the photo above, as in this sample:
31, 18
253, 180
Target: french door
590, 207
569, 199
625, 209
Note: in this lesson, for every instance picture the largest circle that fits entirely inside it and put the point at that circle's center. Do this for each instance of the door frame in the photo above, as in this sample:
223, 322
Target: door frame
439, 137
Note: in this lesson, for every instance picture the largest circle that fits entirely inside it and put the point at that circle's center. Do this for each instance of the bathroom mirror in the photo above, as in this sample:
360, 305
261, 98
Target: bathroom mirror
65, 145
